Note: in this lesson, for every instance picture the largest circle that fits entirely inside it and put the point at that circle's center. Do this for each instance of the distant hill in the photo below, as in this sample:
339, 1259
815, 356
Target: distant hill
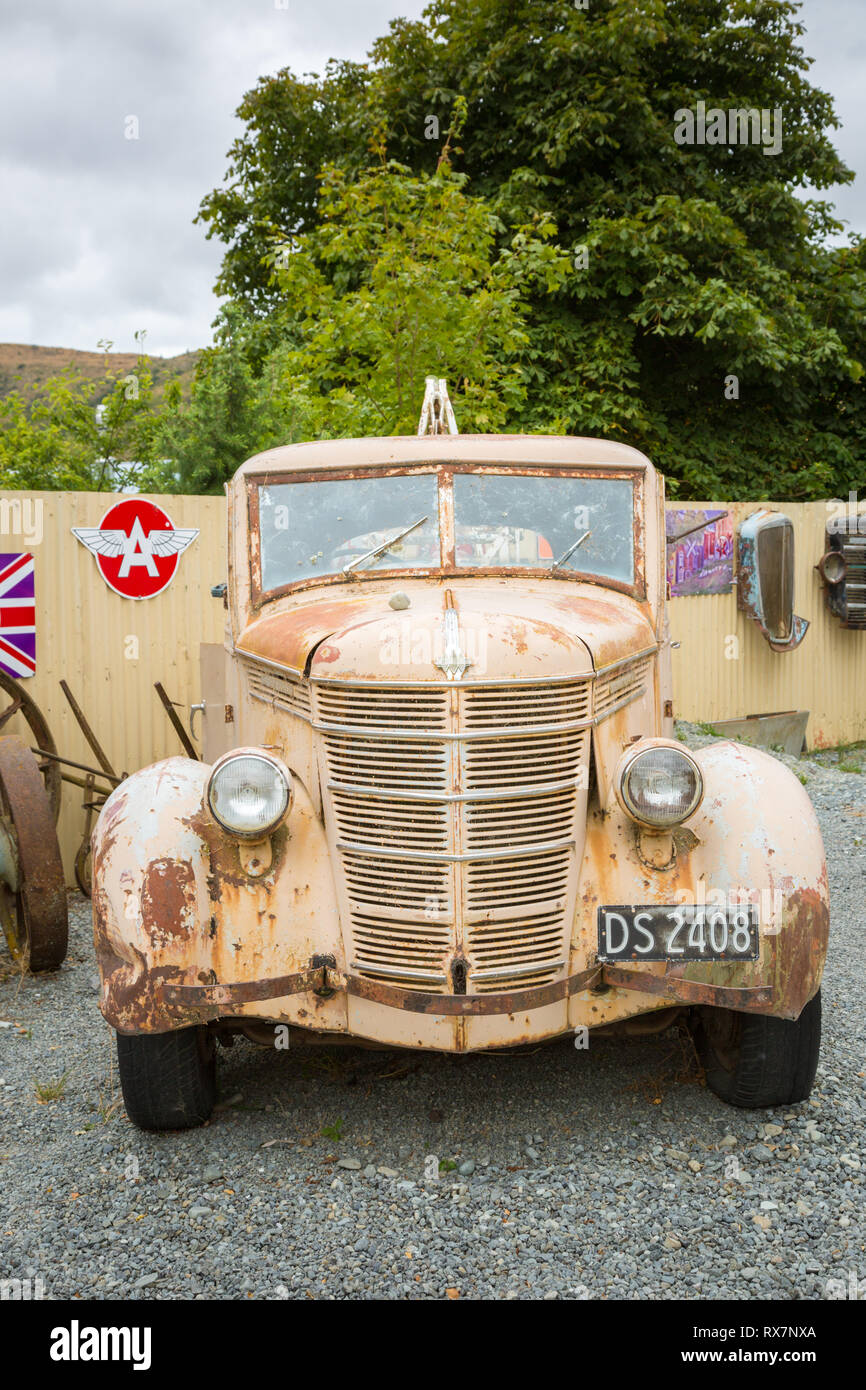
25, 366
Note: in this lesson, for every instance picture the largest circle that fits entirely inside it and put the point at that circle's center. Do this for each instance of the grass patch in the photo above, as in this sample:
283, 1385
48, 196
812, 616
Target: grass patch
47, 1091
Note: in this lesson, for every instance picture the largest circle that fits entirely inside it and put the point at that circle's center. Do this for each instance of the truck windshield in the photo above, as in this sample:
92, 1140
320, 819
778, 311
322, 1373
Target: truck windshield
352, 526
510, 519
316, 528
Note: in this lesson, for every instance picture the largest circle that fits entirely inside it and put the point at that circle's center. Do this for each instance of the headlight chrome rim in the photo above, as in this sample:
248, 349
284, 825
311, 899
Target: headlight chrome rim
280, 810
639, 814
833, 567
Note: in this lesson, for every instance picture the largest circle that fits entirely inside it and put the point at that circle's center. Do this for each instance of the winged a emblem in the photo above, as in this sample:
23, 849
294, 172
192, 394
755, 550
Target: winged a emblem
137, 546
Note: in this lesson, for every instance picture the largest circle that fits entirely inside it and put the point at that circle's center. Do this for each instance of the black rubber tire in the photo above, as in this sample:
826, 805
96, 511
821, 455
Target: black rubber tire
764, 1061
168, 1079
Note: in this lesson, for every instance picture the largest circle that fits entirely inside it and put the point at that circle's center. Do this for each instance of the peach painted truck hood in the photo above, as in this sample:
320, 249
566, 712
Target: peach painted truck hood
543, 628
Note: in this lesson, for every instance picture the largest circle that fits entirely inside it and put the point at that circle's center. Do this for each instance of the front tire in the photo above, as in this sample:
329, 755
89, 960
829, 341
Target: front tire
168, 1079
755, 1061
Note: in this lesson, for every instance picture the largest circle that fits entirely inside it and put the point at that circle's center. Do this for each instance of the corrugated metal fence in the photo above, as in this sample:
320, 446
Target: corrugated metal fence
111, 650
716, 678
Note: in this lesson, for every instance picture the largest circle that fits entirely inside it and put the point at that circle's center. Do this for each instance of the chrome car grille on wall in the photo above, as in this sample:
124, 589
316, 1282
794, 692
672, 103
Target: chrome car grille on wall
456, 812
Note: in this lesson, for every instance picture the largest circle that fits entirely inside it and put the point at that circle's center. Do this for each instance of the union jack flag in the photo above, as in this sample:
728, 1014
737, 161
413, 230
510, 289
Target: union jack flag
17, 615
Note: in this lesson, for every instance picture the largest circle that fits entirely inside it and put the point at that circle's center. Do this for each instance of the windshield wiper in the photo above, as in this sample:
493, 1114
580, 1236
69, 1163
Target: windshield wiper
381, 549
569, 552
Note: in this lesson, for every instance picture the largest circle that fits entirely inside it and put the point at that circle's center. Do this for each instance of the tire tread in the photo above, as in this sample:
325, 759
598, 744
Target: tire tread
776, 1063
168, 1079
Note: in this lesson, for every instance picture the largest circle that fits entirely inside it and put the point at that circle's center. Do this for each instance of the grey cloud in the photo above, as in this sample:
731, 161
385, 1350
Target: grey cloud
97, 233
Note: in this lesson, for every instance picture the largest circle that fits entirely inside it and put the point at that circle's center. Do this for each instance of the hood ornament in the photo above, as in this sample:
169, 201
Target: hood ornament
454, 660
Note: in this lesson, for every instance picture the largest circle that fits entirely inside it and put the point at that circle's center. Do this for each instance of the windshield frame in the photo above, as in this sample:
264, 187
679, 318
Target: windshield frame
445, 472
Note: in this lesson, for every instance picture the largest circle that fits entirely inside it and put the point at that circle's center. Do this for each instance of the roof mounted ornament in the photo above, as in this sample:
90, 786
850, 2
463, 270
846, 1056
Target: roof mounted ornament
437, 412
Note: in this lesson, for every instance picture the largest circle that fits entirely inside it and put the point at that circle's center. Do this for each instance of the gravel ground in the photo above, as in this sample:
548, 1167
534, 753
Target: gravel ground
611, 1173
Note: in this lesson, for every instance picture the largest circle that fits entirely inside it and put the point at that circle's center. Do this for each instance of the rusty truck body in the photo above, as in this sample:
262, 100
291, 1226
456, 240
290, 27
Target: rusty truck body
441, 805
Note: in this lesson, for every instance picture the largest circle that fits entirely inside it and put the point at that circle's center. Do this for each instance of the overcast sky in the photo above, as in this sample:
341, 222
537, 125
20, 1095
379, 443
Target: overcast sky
96, 234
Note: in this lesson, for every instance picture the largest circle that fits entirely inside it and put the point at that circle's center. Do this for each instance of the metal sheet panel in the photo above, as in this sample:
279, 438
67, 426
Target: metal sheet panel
723, 668
111, 649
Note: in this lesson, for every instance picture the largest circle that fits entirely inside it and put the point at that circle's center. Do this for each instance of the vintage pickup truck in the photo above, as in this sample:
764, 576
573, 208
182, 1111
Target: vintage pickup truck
441, 804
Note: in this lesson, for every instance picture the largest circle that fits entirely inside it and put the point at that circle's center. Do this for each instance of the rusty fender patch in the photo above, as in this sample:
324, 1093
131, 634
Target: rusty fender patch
224, 859
801, 949
132, 999
168, 899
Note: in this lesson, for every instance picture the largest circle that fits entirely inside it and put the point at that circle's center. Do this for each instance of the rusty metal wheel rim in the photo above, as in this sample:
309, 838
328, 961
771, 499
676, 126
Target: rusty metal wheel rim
24, 704
82, 868
33, 908
11, 923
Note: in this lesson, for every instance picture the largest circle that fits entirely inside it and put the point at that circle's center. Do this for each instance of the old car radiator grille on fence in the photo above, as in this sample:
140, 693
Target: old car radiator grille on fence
455, 811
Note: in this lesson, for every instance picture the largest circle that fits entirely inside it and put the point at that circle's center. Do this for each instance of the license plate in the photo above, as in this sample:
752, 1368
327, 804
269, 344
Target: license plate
678, 933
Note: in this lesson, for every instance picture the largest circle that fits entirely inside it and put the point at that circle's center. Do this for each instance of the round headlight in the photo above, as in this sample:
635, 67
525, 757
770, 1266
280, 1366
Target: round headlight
661, 786
249, 794
833, 567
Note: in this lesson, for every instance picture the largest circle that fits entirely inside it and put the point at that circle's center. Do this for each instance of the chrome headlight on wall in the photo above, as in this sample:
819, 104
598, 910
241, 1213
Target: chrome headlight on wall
765, 578
249, 793
843, 569
659, 786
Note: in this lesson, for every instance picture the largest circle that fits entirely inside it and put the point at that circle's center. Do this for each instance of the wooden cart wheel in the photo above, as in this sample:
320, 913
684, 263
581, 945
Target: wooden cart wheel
33, 908
83, 876
82, 867
15, 700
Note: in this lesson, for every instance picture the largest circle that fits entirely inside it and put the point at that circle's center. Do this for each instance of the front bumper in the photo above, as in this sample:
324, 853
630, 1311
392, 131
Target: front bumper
324, 980
184, 935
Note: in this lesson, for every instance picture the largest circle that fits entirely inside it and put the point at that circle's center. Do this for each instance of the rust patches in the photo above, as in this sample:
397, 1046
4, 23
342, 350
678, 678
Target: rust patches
288, 636
802, 948
673, 985
472, 1005
168, 898
108, 826
515, 634
133, 1001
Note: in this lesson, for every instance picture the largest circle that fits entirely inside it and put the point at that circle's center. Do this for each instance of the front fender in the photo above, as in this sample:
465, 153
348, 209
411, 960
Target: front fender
755, 837
174, 905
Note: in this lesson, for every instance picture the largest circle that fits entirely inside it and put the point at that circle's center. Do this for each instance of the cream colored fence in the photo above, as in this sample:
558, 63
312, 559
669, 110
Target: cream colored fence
715, 678
111, 650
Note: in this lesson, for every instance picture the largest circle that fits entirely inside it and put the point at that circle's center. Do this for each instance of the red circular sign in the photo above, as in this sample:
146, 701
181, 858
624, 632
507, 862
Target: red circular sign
137, 547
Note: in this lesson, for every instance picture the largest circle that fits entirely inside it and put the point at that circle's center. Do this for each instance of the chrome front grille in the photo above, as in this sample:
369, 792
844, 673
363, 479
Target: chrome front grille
376, 763
620, 686
277, 687
456, 812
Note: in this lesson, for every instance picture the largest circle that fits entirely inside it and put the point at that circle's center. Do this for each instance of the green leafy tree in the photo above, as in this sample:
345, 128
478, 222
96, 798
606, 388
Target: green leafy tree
401, 279
78, 433
691, 264
199, 442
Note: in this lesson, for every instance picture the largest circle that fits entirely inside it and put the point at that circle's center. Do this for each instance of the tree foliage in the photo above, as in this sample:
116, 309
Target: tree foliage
79, 434
498, 197
691, 265
400, 280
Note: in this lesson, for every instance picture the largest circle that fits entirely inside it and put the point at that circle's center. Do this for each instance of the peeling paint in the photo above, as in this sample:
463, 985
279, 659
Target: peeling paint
190, 929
